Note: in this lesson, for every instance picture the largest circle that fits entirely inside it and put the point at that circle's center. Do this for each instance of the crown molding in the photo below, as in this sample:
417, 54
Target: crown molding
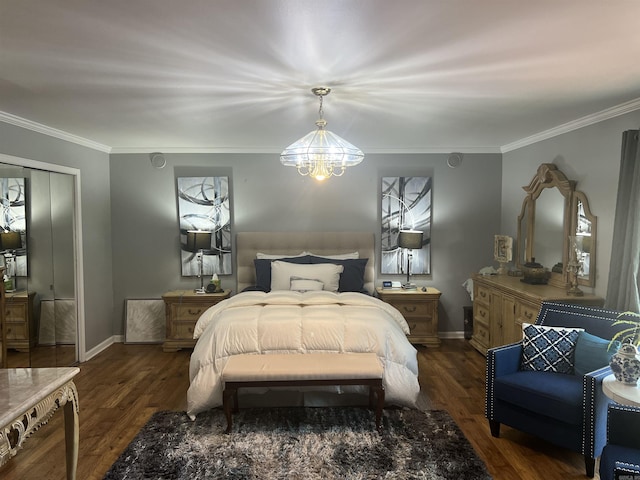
601, 116
270, 150
607, 114
52, 132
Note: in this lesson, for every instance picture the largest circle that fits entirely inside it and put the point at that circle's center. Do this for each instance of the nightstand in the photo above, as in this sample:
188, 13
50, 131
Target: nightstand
420, 310
20, 324
183, 309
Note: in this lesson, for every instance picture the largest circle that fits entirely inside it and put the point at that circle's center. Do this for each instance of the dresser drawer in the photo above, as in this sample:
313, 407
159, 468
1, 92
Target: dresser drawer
15, 311
481, 334
481, 314
418, 328
483, 295
526, 313
413, 309
16, 331
188, 312
183, 330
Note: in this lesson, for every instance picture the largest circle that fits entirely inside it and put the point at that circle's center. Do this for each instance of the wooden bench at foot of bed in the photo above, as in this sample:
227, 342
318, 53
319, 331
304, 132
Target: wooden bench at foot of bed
302, 370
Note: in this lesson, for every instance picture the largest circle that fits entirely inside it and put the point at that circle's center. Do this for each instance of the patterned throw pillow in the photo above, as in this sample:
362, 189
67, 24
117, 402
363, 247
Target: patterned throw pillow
548, 349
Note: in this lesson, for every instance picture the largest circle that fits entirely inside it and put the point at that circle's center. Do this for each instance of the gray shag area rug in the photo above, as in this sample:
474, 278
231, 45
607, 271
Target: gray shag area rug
300, 443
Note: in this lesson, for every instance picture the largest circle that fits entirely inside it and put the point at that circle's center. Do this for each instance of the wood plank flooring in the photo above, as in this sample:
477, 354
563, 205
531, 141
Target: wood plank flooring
123, 386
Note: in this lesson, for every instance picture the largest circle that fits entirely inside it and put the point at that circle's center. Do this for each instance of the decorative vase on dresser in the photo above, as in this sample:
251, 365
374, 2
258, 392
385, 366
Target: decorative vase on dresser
501, 304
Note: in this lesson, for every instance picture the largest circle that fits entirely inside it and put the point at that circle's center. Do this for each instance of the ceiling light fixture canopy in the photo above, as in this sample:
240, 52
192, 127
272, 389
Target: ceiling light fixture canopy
321, 154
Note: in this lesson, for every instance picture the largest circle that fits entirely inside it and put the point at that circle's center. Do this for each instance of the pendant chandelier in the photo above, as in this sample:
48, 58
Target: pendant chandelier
321, 154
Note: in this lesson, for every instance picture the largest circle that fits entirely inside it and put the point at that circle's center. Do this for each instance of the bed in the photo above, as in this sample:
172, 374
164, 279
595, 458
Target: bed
303, 315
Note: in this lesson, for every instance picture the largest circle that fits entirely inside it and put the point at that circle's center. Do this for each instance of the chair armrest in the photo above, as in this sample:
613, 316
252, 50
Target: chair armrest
594, 411
505, 359
500, 361
623, 426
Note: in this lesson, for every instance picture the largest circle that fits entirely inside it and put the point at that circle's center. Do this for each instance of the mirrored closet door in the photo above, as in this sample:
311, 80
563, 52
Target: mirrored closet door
41, 307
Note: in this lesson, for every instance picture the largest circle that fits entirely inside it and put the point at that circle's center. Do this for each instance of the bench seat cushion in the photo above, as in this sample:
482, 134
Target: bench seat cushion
311, 366
555, 395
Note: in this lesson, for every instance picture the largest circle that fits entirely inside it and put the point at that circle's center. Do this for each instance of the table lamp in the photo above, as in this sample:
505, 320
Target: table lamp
9, 243
409, 239
198, 241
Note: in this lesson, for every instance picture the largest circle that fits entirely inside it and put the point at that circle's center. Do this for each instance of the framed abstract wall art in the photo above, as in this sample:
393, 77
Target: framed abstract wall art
405, 205
204, 205
13, 224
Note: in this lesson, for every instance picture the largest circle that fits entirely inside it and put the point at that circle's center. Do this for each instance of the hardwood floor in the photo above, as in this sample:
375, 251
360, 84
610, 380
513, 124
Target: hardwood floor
121, 387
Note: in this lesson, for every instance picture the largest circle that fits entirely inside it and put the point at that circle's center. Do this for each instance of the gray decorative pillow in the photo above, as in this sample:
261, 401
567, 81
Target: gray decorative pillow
306, 284
548, 349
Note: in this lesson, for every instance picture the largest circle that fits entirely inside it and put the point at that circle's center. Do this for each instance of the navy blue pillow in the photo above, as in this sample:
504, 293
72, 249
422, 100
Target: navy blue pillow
263, 270
352, 277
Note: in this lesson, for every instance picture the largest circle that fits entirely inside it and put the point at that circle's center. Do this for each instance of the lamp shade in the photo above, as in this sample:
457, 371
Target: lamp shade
411, 239
10, 240
198, 240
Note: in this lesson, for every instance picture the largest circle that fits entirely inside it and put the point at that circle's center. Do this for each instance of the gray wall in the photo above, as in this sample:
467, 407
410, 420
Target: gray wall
269, 197
96, 218
591, 156
130, 226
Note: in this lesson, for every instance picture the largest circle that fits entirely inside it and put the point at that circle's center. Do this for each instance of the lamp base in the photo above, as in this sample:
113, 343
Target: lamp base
199, 291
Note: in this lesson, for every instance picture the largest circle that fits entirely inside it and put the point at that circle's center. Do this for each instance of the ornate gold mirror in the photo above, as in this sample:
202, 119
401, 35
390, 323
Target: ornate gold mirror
551, 212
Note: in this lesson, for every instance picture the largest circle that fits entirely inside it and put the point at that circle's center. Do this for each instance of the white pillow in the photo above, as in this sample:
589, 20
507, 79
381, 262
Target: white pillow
339, 256
268, 256
327, 273
305, 284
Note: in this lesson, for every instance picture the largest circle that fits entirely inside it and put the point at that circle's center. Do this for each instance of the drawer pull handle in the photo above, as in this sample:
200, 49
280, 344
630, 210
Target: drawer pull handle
482, 313
483, 294
529, 315
194, 312
410, 309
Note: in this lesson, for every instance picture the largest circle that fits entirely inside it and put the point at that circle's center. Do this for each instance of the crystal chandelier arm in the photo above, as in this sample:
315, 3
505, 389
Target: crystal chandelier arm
321, 154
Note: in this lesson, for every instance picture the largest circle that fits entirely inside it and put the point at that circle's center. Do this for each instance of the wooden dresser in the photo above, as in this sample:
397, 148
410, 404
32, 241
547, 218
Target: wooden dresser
20, 325
420, 310
501, 304
183, 309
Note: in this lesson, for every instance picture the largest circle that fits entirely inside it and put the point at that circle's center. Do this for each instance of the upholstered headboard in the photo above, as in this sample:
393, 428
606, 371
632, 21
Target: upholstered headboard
292, 243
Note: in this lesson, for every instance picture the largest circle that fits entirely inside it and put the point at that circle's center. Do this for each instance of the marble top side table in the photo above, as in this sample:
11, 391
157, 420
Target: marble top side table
28, 399
621, 393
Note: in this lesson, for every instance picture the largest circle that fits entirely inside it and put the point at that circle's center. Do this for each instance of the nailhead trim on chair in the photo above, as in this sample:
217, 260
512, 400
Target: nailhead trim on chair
562, 308
589, 386
627, 467
490, 369
490, 373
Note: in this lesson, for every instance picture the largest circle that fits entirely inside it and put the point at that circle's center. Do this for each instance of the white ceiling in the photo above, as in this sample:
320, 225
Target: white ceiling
235, 75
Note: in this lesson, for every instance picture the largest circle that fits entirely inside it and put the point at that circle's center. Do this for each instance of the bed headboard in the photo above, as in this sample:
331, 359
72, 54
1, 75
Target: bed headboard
292, 243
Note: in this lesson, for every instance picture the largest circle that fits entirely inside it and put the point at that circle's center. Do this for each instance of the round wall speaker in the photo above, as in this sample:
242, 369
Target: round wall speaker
157, 160
454, 160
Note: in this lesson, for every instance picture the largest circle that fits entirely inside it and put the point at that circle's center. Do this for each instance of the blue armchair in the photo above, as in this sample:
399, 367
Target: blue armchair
568, 410
621, 455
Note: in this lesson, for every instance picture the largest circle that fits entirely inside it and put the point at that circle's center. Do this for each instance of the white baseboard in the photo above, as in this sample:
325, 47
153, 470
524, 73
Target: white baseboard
452, 335
103, 346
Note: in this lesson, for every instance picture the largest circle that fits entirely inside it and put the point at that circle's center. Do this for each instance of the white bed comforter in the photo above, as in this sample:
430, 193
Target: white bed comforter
293, 322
